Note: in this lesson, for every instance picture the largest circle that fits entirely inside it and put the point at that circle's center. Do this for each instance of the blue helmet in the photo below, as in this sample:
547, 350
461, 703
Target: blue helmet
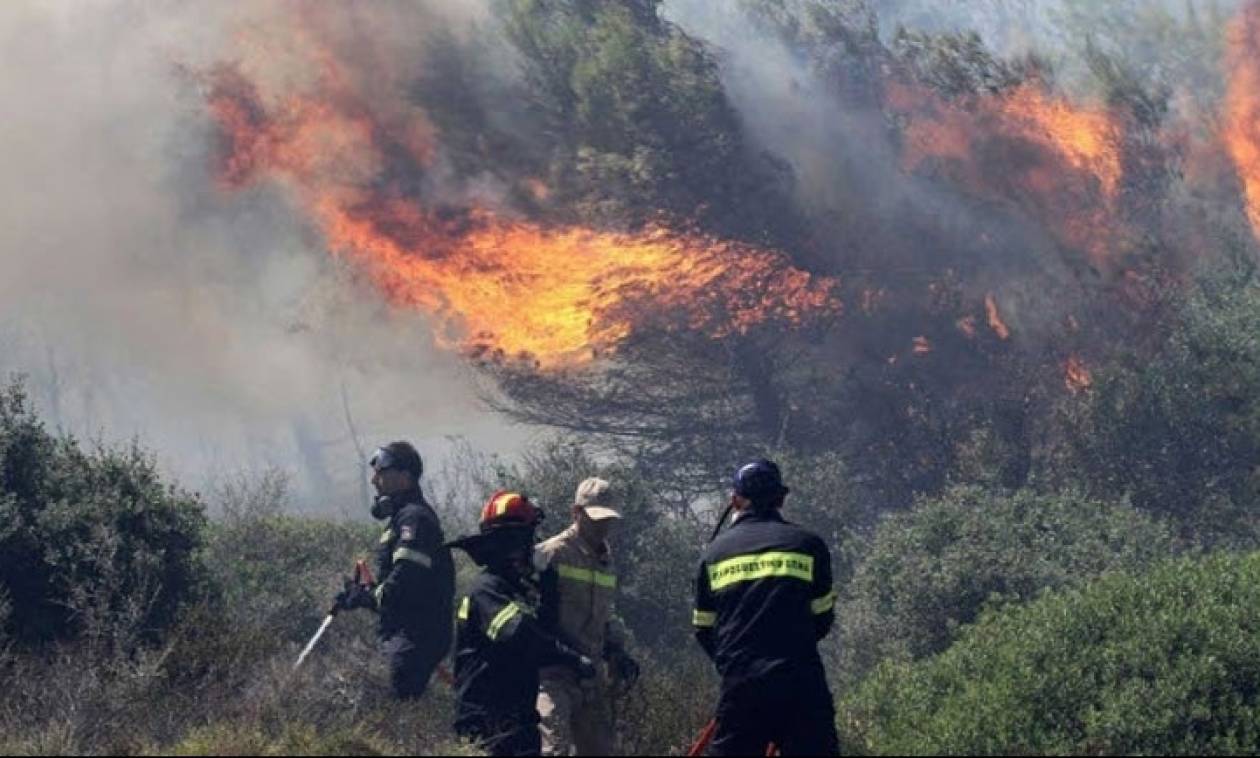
760, 482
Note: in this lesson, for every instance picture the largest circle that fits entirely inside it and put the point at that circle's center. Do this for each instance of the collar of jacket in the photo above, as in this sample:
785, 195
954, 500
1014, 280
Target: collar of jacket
387, 505
524, 586
750, 516
603, 554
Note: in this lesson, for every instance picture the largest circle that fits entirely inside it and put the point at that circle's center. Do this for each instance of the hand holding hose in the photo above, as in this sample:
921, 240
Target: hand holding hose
357, 591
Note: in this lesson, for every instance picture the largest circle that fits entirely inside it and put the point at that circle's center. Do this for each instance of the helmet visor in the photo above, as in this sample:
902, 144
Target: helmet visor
382, 460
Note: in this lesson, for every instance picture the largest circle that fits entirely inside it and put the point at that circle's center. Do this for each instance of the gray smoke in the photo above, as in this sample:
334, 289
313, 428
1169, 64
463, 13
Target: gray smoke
142, 301
843, 161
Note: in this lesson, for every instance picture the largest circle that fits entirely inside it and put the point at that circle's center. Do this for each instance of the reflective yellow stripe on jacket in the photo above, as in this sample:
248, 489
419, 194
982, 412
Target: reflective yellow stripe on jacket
703, 619
747, 568
463, 608
598, 578
823, 604
415, 556
509, 612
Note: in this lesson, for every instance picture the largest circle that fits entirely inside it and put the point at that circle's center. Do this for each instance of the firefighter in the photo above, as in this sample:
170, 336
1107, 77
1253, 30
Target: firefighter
500, 644
416, 591
577, 584
764, 600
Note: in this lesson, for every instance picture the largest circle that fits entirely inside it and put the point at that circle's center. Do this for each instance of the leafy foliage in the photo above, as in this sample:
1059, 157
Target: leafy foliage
933, 570
1158, 663
93, 541
640, 120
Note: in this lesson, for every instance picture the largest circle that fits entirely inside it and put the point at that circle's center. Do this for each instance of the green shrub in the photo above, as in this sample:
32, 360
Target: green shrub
281, 572
661, 716
935, 568
1161, 663
93, 541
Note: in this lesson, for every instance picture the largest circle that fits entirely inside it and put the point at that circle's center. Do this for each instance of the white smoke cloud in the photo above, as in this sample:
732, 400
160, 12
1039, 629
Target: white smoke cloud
142, 301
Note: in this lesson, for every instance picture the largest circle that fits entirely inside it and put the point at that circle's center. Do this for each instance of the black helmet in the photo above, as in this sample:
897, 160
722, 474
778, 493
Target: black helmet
397, 455
760, 482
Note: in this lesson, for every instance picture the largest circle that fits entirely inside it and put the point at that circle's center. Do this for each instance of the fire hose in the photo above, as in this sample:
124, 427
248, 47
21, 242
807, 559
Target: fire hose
706, 738
364, 579
706, 735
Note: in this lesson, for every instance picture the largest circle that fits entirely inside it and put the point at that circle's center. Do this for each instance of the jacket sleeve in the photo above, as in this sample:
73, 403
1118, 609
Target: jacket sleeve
412, 559
519, 635
823, 594
549, 593
704, 615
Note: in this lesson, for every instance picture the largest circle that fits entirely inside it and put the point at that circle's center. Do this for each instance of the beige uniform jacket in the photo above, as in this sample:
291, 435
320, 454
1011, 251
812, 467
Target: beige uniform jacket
578, 585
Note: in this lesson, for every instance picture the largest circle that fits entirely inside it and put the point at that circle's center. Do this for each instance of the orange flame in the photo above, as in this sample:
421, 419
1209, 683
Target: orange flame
994, 316
1059, 161
1242, 105
496, 285
1076, 376
556, 295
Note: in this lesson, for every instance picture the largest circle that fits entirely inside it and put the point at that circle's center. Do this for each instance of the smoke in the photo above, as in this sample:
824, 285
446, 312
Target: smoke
870, 214
141, 300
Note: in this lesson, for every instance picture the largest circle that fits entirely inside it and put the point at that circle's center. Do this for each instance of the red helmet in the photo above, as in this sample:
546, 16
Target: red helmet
509, 509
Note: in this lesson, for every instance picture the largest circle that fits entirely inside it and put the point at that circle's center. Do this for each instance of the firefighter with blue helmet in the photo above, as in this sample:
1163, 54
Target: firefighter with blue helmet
764, 599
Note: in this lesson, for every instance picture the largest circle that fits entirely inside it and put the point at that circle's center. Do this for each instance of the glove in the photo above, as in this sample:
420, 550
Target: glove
625, 668
585, 668
354, 596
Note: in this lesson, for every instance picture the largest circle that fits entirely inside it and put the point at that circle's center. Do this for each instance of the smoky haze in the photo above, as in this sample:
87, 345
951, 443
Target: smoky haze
141, 301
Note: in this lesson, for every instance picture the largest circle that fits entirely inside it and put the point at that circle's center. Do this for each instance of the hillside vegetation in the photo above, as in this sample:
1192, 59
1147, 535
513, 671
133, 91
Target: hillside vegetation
1028, 425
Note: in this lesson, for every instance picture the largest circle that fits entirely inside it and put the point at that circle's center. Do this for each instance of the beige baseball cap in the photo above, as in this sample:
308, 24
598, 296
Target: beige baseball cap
595, 497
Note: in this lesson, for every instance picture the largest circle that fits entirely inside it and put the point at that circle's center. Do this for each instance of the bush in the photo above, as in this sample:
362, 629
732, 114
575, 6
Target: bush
667, 710
93, 541
275, 571
935, 568
1161, 663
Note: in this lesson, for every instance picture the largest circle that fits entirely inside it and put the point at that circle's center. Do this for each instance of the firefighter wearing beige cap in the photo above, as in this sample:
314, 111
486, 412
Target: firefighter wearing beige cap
578, 584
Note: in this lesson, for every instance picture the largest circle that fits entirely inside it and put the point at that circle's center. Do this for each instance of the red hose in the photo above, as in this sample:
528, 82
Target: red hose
702, 742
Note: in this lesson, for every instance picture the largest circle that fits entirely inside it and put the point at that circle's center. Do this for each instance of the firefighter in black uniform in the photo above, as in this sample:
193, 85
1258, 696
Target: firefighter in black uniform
763, 601
500, 645
416, 590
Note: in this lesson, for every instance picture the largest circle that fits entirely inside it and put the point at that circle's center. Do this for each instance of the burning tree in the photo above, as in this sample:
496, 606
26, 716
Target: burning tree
644, 272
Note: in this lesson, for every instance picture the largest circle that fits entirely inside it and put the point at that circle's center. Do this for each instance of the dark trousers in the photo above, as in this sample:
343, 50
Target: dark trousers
506, 735
410, 666
791, 710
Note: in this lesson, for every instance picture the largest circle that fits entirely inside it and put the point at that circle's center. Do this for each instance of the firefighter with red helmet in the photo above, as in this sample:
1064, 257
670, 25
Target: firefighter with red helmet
500, 646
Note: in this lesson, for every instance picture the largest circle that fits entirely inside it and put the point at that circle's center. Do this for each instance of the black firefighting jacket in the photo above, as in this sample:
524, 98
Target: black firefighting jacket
416, 593
763, 598
499, 648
